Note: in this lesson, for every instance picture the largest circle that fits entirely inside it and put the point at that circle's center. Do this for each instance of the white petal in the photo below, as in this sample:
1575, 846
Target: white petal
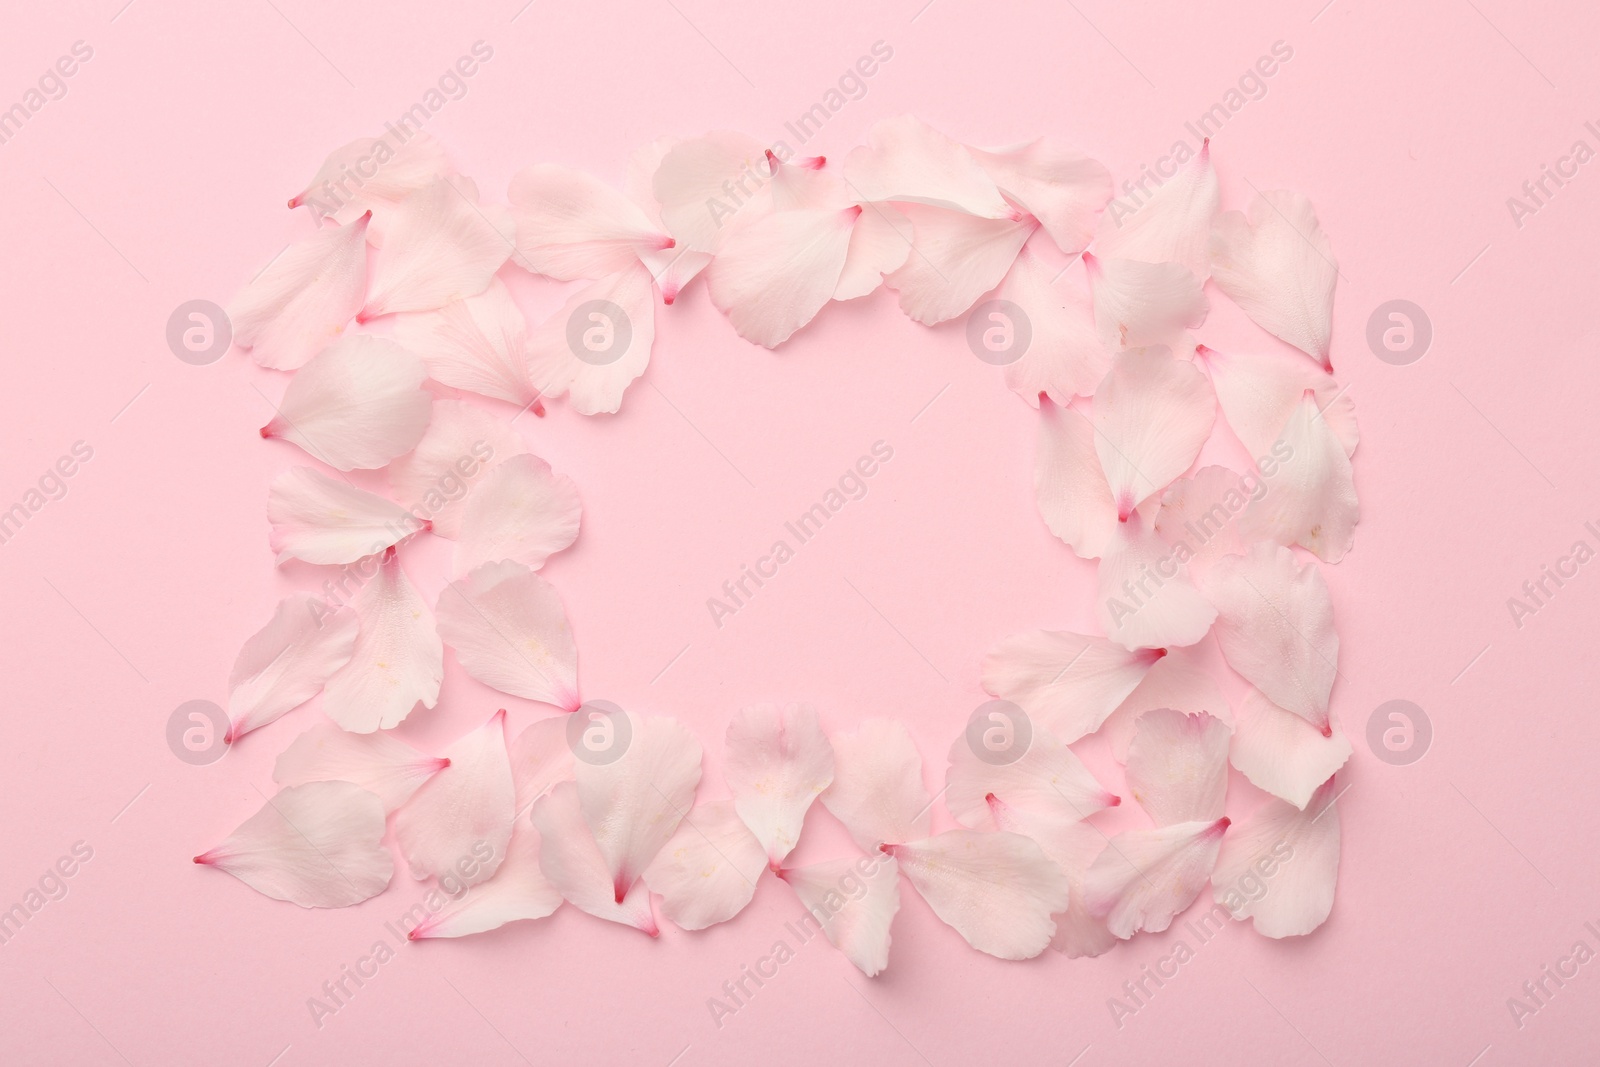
598, 343
1178, 766
880, 243
439, 246
1146, 597
322, 520
1047, 779
1282, 753
777, 761
479, 344
462, 441
369, 172
318, 845
570, 225
458, 825
1067, 683
1065, 191
1064, 356
521, 510
877, 789
1073, 844
1173, 225
360, 403
706, 872
398, 661
287, 662
1278, 266
1280, 866
704, 182
1145, 877
854, 903
773, 274
376, 762
1310, 497
1200, 516
541, 758
510, 632
572, 861
955, 258
518, 890
1140, 304
303, 299
1179, 681
1152, 414
1259, 391
909, 161
1069, 483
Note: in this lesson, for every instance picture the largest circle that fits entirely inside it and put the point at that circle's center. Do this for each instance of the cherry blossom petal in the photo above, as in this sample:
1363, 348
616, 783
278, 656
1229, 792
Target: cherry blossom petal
1259, 391
510, 632
398, 661
518, 890
478, 343
777, 761
1145, 877
322, 520
998, 890
1173, 225
318, 845
955, 258
570, 225
1310, 497
1178, 681
1200, 516
1278, 266
672, 268
303, 299
359, 403
1295, 853
598, 343
1047, 778
1283, 754
459, 823
1064, 190
521, 510
1064, 356
1178, 766
570, 858
1275, 627
877, 789
439, 246
880, 243
1141, 304
704, 182
706, 872
632, 804
376, 762
287, 662
369, 172
435, 478
1069, 484
1073, 844
854, 907
1152, 414
909, 161
773, 274
541, 758
1067, 683
1146, 598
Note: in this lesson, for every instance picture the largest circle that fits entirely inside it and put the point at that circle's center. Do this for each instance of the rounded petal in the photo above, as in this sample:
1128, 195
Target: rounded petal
510, 632
360, 403
706, 872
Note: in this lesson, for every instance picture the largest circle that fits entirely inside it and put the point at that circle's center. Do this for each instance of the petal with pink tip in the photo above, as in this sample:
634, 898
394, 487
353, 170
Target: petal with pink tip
1047, 778
955, 258
1310, 497
908, 161
1068, 683
1064, 356
369, 172
304, 299
510, 632
1278, 266
570, 225
1178, 766
519, 890
1258, 391
598, 343
1173, 225
376, 762
478, 343
776, 762
705, 183
439, 246
1282, 753
774, 273
1143, 878
1180, 681
435, 478
1064, 190
1069, 483
541, 758
1152, 414
398, 661
1201, 515
459, 823
570, 858
1295, 852
1073, 844
359, 403
322, 520
706, 872
880, 243
877, 789
854, 902
287, 662
1141, 304
521, 510
1146, 598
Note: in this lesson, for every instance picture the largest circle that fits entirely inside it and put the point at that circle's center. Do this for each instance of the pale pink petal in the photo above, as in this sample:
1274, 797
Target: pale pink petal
1200, 516
479, 344
510, 632
1278, 266
541, 758
323, 520
1178, 681
359, 403
439, 246
462, 442
1283, 754
1173, 225
570, 225
955, 258
1145, 877
1140, 304
880, 243
1146, 598
1275, 627
459, 823
1064, 356
1152, 414
773, 274
1069, 483
376, 762
371, 172
1178, 766
1064, 190
998, 890
303, 299
521, 510
571, 860
1067, 683
909, 161
706, 872
598, 343
1259, 391
854, 902
1047, 779
776, 762
672, 268
1073, 844
1279, 868
633, 803
1310, 497
518, 890
318, 845
287, 662
703, 183
398, 660
877, 789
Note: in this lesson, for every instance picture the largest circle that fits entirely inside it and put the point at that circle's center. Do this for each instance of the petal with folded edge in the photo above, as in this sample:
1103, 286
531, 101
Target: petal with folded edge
1152, 414
439, 246
304, 299
1068, 683
1178, 766
1283, 754
1275, 627
1073, 844
776, 762
998, 890
358, 403
478, 343
376, 762
774, 273
633, 804
570, 225
907, 160
387, 175
955, 258
1173, 225
1143, 878
702, 183
518, 890
880, 243
541, 759
1064, 190
521, 510
572, 861
1141, 304
1200, 515
1310, 497
1048, 779
1064, 356
1278, 266
318, 845
460, 437
854, 907
463, 812
707, 871
598, 343
1069, 484
672, 268
1178, 681
510, 632
877, 789
1303, 846
398, 660
321, 520
1146, 598
1258, 391
286, 662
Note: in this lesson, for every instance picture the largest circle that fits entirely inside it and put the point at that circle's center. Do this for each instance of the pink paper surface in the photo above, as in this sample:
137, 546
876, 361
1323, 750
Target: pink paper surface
160, 177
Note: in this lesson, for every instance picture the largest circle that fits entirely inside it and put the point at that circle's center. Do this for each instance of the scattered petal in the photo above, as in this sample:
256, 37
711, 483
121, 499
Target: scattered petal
1146, 597
398, 660
777, 762
439, 246
1152, 414
521, 510
1278, 266
510, 632
598, 343
880, 243
304, 299
1200, 516
774, 273
1310, 497
1145, 877
1141, 304
955, 258
1259, 391
1047, 779
1073, 844
1064, 190
570, 225
1178, 766
1283, 754
1296, 853
359, 403
461, 442
1067, 683
321, 520
703, 182
458, 825
907, 160
1064, 356
877, 789
376, 762
1173, 225
518, 890
572, 861
853, 907
1069, 484
1178, 681
478, 343
541, 759
287, 662
706, 872
368, 173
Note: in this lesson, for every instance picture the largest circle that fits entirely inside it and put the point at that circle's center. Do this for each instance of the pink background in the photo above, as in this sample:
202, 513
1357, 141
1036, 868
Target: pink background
160, 178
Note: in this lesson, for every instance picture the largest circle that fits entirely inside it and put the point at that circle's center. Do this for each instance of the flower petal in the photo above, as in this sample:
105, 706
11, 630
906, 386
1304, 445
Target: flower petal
1278, 266
376, 762
1141, 304
1064, 356
1310, 497
435, 478
1047, 779
853, 906
1073, 844
1300, 849
879, 245
706, 872
359, 403
518, 890
510, 632
704, 182
1069, 483
877, 789
478, 343
1145, 877
459, 823
1068, 683
287, 662
1152, 413
570, 225
1064, 190
321, 520
1258, 391
541, 759
343, 188
521, 510
1173, 225
774, 273
439, 246
1146, 597
907, 160
1178, 681
570, 858
1201, 515
304, 299
1178, 766
598, 343
955, 258
777, 760
398, 661
1282, 753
